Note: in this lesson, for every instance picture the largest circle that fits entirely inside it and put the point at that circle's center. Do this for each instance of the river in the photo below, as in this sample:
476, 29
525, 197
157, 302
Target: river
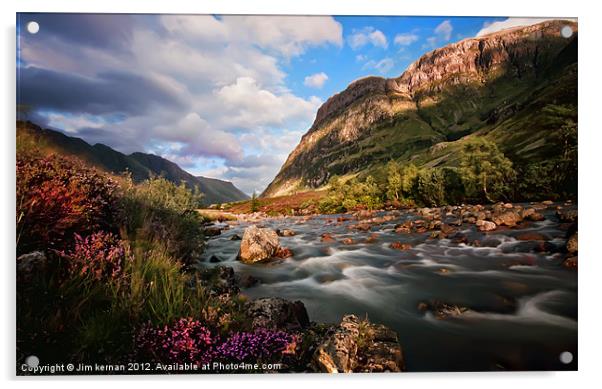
523, 303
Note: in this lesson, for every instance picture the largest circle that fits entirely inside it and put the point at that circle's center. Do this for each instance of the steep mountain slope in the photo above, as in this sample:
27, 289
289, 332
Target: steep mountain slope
496, 86
141, 165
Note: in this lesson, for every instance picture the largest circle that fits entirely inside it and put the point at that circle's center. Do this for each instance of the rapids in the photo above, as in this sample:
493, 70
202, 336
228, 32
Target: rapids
522, 303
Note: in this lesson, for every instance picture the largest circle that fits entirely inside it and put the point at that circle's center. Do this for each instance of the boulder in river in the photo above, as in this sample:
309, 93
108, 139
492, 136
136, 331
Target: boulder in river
327, 238
571, 244
283, 252
277, 313
508, 218
485, 225
213, 231
359, 346
536, 217
443, 310
400, 246
285, 232
258, 244
567, 215
372, 238
570, 262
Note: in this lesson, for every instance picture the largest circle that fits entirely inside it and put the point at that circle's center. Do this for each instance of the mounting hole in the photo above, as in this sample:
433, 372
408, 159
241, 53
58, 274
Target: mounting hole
566, 357
566, 32
32, 361
33, 27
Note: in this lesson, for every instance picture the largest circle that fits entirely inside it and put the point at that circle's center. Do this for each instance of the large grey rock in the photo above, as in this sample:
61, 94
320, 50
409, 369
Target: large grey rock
357, 346
30, 263
277, 313
258, 244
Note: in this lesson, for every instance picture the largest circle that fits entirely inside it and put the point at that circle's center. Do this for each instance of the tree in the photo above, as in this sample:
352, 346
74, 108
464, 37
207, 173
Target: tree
254, 202
394, 181
455, 193
487, 173
408, 178
430, 187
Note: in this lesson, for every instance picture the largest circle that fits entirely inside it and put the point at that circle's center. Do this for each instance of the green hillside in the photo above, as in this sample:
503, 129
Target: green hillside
140, 165
515, 88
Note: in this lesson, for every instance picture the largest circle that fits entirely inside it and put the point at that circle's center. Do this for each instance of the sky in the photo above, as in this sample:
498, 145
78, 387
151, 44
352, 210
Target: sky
227, 97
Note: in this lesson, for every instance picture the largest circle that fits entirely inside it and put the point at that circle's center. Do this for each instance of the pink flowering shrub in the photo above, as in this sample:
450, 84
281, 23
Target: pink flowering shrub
187, 340
101, 256
262, 344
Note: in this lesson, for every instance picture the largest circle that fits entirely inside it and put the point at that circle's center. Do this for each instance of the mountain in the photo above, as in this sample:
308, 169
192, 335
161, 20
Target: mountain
499, 86
141, 165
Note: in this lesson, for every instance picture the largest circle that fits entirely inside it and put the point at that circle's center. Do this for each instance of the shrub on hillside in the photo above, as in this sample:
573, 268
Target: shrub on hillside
57, 197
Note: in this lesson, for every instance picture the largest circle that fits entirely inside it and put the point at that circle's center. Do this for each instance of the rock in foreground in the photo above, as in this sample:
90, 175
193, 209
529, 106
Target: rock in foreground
357, 346
258, 244
277, 313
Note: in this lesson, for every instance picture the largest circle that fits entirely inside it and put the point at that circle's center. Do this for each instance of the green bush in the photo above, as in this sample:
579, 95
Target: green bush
351, 195
487, 174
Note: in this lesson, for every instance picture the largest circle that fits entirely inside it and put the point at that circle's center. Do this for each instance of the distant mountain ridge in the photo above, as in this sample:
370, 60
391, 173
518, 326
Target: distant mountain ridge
497, 86
142, 166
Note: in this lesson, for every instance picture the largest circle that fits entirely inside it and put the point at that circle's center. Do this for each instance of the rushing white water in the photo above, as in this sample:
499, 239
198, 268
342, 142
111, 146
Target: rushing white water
522, 303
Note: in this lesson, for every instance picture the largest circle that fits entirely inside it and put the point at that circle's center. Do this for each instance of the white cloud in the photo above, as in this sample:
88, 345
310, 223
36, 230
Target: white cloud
405, 39
228, 75
443, 33
71, 123
367, 35
287, 35
489, 27
315, 80
199, 138
244, 104
383, 66
444, 30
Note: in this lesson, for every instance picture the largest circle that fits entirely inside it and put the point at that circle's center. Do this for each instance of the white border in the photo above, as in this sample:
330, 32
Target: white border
590, 272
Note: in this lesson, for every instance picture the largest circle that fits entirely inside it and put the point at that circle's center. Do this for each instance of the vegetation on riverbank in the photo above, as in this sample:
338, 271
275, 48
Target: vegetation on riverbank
484, 175
102, 264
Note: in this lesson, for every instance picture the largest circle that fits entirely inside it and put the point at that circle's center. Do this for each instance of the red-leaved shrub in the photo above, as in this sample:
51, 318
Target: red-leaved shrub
57, 197
100, 256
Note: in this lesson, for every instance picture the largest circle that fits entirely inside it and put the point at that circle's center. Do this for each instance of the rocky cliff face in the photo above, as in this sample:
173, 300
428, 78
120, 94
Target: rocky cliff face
445, 95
